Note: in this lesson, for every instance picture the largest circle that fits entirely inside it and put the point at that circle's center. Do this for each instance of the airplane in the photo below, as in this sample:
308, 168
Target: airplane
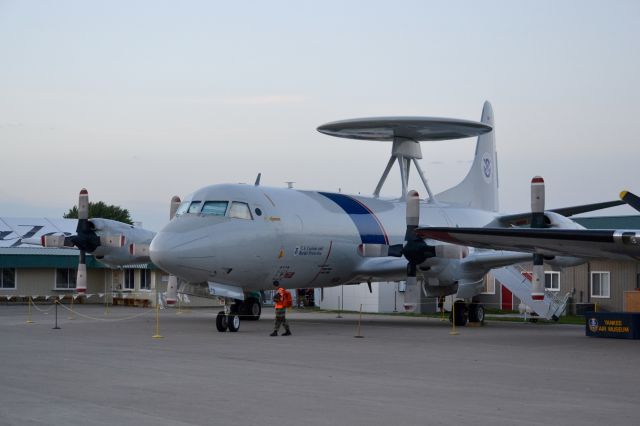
238, 238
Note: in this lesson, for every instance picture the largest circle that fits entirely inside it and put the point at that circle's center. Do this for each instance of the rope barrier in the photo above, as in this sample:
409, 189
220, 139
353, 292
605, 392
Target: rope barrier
107, 319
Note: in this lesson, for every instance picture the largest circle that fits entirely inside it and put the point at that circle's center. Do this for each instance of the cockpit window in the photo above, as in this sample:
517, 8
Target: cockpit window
240, 210
214, 208
183, 208
194, 207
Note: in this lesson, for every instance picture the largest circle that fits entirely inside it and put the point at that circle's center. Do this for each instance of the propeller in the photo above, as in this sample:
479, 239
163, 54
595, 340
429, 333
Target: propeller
630, 198
85, 239
415, 250
537, 221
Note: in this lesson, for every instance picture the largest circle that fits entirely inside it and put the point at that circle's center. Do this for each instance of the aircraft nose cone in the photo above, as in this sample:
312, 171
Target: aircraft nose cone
161, 253
181, 255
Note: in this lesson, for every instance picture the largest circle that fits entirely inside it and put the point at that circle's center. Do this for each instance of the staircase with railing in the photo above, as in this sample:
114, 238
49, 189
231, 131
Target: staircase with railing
518, 281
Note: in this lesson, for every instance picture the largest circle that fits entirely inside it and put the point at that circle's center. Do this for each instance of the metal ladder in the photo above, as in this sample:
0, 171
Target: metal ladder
551, 307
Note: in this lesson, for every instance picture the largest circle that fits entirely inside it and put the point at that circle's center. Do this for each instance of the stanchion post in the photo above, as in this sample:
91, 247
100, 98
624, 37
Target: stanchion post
157, 335
359, 335
339, 316
29, 319
55, 327
453, 331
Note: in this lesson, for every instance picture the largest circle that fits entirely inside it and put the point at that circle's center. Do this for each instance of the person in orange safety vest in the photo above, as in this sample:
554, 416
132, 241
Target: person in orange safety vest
282, 301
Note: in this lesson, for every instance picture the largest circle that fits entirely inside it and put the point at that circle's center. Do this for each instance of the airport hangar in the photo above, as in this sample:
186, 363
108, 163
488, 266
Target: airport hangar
30, 271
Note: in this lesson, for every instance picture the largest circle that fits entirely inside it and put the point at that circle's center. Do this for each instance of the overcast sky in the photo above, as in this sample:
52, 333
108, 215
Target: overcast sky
141, 100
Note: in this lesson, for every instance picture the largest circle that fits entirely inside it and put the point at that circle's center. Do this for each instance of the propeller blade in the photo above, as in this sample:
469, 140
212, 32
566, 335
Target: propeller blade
58, 241
537, 280
373, 250
81, 279
412, 281
630, 198
537, 221
83, 204
413, 212
175, 203
537, 202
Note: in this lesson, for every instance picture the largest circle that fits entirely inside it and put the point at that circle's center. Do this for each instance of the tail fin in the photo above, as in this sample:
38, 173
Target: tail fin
479, 189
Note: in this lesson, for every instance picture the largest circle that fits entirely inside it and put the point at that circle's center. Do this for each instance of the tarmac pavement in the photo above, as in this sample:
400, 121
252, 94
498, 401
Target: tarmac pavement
107, 370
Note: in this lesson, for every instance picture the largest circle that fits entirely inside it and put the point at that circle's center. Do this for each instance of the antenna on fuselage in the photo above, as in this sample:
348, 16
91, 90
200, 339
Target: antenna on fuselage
290, 184
257, 183
406, 133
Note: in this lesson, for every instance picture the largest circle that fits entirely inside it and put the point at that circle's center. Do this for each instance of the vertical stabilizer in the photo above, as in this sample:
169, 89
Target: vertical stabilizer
479, 189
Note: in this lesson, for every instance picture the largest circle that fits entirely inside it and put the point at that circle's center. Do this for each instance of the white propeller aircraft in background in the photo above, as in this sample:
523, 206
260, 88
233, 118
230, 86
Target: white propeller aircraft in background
237, 239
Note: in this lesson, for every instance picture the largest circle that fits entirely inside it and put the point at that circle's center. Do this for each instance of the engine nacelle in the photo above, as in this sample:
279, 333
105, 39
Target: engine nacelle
451, 251
139, 250
555, 220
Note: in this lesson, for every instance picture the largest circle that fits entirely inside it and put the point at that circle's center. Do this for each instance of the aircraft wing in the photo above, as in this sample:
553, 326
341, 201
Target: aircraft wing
520, 219
597, 243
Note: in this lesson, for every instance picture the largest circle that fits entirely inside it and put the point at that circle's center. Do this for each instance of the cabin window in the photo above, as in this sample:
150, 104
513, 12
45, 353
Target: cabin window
182, 209
214, 208
65, 278
600, 284
194, 207
7, 278
240, 210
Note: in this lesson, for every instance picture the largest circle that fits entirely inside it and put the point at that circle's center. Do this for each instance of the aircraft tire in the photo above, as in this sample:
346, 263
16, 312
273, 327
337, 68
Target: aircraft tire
462, 314
221, 322
253, 310
233, 323
476, 313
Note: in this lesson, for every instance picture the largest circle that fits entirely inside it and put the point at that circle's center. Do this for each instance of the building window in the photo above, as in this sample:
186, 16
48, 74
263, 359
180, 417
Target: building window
129, 279
552, 281
7, 278
489, 284
145, 279
66, 278
600, 284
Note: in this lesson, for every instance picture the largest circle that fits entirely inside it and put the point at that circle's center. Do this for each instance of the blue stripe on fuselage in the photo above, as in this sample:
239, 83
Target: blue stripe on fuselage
369, 227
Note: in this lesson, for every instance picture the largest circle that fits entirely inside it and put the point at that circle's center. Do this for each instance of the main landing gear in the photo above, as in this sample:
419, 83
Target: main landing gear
472, 312
234, 310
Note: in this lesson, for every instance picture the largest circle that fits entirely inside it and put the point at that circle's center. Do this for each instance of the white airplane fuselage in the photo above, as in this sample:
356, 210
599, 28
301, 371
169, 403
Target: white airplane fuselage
301, 238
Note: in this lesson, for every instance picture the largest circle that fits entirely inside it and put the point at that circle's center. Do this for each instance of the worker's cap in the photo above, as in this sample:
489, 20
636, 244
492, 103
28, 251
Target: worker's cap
276, 282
